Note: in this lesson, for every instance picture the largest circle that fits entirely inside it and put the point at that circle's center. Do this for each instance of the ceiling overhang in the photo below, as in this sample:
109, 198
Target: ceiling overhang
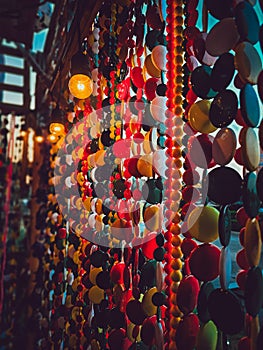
17, 19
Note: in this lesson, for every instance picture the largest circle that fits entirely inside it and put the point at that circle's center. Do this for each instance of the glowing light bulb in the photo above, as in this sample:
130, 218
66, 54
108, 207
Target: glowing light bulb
81, 86
39, 139
52, 138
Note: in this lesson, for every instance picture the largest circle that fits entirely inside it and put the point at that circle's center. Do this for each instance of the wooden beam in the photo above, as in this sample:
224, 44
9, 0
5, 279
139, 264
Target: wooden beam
7, 108
26, 97
6, 50
9, 87
12, 70
31, 60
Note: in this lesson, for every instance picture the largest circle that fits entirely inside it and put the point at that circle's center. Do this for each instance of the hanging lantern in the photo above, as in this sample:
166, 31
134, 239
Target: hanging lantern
56, 126
80, 84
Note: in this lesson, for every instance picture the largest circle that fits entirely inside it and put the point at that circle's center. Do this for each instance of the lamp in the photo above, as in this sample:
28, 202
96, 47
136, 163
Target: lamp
80, 84
57, 121
52, 138
38, 135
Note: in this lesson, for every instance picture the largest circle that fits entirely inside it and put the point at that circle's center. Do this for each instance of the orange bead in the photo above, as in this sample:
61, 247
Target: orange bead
173, 299
176, 240
178, 89
174, 322
176, 275
178, 110
178, 163
172, 333
175, 229
175, 311
179, 10
172, 346
176, 152
179, 2
176, 217
179, 39
177, 253
179, 20
176, 264
178, 50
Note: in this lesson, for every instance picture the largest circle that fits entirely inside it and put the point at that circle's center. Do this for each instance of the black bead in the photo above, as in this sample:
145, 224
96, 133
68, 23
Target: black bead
160, 239
159, 254
158, 299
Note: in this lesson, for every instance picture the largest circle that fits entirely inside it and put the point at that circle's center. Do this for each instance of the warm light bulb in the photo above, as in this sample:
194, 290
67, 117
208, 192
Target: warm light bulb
23, 133
52, 138
80, 86
39, 139
56, 128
